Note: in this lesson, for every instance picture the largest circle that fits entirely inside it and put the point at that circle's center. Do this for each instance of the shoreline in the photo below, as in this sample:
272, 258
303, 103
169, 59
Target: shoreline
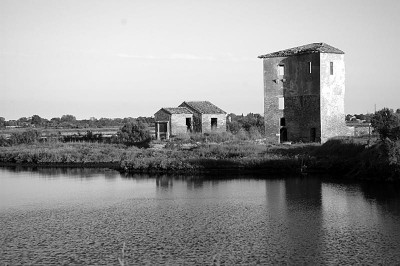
340, 158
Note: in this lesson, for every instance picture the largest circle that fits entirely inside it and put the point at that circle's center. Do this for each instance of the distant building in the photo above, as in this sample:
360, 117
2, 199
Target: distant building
173, 121
197, 116
206, 116
304, 94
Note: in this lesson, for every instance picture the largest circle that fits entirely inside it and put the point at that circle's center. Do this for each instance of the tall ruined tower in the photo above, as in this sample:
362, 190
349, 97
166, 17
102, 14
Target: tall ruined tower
304, 94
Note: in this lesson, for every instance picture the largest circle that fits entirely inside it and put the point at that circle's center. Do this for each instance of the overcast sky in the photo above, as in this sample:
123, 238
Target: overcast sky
130, 58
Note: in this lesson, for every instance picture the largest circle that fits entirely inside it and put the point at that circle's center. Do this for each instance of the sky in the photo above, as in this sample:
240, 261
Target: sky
94, 58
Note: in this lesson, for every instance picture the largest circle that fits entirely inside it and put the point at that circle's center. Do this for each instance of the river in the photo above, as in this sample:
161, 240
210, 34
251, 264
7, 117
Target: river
100, 217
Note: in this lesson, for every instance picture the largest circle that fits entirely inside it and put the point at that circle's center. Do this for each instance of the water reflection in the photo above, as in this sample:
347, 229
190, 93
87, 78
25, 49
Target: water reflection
164, 182
190, 219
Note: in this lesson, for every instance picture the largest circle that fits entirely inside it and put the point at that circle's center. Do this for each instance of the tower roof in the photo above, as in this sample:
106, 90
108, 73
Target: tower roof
311, 48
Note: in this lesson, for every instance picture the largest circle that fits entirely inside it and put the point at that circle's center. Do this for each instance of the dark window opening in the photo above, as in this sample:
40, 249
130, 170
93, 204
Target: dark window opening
189, 124
283, 135
331, 68
313, 134
213, 123
283, 122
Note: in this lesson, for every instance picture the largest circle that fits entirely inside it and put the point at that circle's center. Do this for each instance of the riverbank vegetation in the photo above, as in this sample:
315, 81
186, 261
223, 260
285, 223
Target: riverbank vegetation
242, 148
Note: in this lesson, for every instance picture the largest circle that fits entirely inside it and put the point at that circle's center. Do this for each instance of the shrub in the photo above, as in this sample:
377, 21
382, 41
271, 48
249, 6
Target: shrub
25, 137
134, 132
387, 124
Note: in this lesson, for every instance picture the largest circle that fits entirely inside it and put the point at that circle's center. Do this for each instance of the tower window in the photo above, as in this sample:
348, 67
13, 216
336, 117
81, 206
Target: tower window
283, 122
281, 70
331, 68
309, 67
281, 103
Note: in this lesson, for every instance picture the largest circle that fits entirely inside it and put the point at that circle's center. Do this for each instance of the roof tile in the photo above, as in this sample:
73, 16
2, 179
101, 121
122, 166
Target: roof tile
305, 49
204, 107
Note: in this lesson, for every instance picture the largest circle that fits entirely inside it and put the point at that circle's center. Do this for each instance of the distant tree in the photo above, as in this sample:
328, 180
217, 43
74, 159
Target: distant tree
23, 120
68, 119
348, 117
36, 120
233, 126
11, 123
2, 122
398, 111
56, 120
134, 132
386, 123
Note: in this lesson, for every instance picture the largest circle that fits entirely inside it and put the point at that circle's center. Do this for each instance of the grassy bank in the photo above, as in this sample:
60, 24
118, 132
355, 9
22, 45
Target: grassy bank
346, 158
173, 157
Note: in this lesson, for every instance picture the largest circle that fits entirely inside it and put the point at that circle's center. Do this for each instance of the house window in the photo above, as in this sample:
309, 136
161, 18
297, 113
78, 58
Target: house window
283, 122
331, 68
309, 67
281, 70
213, 123
281, 103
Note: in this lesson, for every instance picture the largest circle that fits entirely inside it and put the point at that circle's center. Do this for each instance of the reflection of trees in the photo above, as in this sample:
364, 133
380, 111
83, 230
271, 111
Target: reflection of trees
385, 194
194, 183
164, 181
48, 172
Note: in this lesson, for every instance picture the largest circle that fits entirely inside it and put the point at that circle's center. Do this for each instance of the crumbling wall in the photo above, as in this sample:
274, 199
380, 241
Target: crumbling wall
273, 89
300, 90
178, 123
206, 123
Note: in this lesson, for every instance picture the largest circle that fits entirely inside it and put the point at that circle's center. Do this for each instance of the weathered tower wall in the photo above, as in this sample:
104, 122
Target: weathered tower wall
302, 102
332, 96
273, 89
299, 88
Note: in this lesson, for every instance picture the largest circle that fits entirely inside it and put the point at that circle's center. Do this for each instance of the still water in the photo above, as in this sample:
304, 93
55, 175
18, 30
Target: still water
85, 216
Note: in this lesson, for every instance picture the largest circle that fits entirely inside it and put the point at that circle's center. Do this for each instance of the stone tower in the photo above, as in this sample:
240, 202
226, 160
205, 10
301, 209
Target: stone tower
304, 94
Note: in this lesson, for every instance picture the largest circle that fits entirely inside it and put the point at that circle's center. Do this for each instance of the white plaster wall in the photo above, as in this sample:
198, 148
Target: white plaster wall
332, 95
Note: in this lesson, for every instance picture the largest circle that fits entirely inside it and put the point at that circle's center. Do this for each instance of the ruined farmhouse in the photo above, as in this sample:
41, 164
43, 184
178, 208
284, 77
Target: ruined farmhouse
194, 116
304, 94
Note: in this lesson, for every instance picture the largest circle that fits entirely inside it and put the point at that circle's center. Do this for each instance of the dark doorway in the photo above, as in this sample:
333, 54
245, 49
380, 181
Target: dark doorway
163, 130
213, 123
283, 134
189, 124
313, 134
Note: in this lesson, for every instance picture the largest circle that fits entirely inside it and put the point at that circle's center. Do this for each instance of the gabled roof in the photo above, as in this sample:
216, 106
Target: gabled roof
177, 110
204, 107
305, 49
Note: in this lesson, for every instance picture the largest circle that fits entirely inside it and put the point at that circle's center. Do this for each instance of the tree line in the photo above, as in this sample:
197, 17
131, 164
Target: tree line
70, 121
